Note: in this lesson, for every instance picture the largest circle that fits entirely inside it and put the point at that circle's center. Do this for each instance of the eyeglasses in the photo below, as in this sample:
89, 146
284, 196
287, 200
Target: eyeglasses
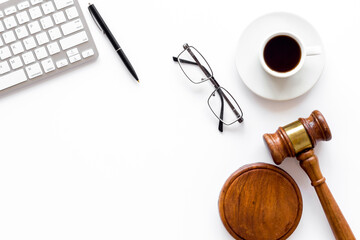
221, 102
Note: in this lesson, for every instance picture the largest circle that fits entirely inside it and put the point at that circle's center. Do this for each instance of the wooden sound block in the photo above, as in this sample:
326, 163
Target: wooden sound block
260, 201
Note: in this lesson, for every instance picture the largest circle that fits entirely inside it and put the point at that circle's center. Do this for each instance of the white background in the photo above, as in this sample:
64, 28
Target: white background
92, 154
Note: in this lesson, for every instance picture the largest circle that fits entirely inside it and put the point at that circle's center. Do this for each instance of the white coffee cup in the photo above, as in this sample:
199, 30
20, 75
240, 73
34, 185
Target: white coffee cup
305, 51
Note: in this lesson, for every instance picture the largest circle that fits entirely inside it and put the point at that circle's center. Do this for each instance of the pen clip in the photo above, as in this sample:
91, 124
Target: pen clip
96, 22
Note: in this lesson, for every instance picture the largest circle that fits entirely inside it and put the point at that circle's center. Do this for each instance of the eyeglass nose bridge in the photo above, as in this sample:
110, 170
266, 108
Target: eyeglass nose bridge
205, 79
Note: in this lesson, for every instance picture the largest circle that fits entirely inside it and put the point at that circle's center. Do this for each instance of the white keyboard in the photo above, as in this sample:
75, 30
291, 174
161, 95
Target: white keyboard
40, 38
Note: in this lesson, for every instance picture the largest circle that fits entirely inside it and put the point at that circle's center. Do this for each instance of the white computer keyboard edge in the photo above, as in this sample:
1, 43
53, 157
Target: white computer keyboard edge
41, 38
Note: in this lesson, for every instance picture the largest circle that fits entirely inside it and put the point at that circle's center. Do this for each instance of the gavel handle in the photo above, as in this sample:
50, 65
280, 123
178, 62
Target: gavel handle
341, 229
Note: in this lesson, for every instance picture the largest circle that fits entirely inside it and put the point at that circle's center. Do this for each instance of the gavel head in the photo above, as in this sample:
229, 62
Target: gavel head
297, 137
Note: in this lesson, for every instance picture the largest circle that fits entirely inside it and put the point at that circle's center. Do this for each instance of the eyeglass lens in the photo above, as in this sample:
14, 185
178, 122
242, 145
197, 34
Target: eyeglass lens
224, 106
194, 72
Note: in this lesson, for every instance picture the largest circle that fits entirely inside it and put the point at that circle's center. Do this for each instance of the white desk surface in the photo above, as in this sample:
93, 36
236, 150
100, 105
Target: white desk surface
94, 155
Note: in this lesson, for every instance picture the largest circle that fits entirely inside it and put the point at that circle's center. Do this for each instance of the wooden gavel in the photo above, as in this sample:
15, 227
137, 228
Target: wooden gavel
298, 140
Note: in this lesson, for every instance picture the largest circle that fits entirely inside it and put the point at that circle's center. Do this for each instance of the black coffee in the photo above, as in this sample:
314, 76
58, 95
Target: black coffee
282, 54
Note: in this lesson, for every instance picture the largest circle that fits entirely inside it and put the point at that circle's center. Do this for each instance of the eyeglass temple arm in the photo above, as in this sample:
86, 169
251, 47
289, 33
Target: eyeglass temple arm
216, 85
194, 63
230, 104
183, 61
221, 124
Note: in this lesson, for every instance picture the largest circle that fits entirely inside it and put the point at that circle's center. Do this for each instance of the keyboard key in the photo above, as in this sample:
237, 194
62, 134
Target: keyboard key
88, 53
34, 27
21, 32
34, 70
60, 4
42, 38
75, 58
35, 12
10, 10
1, 43
48, 7
23, 5
17, 48
12, 79
1, 27
5, 53
53, 48
4, 67
55, 33
74, 40
10, 22
62, 63
72, 27
28, 58
1, 14
16, 62
72, 13
9, 37
29, 43
34, 2
72, 52
41, 53
59, 17
22, 17
46, 22
48, 65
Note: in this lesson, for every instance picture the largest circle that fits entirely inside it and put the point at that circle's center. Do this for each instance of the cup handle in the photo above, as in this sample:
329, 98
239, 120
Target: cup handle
313, 51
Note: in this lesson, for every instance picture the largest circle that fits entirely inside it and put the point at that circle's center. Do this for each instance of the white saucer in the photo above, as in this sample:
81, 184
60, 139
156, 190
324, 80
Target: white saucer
255, 77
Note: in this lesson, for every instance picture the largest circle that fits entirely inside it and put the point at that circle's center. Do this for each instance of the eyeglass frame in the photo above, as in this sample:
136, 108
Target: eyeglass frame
218, 88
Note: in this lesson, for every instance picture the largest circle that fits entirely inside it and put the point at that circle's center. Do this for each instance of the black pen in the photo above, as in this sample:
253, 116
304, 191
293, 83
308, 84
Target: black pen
103, 27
